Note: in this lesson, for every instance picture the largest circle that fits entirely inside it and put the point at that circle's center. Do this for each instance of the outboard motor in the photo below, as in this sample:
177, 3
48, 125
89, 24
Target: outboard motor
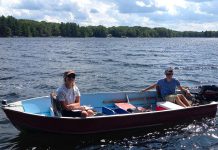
205, 93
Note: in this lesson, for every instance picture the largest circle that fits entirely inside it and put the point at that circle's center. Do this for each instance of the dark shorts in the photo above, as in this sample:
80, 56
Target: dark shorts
69, 113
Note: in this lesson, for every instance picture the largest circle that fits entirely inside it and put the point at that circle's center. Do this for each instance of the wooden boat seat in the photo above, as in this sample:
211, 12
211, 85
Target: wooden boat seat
129, 108
56, 107
125, 106
169, 105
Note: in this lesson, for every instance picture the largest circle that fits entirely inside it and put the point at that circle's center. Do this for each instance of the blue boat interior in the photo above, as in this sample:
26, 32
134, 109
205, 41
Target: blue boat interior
103, 103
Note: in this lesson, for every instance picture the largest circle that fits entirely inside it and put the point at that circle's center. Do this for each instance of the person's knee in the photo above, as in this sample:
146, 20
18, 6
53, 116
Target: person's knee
84, 114
177, 97
178, 100
90, 112
180, 95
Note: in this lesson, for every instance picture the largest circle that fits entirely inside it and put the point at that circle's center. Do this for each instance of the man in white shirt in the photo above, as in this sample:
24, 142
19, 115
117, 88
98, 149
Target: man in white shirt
69, 96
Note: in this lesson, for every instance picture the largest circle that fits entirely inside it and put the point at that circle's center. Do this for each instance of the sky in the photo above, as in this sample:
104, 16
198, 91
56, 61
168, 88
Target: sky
180, 15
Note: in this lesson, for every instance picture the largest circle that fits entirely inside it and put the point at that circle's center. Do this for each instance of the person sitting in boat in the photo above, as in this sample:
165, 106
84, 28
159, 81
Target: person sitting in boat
166, 89
69, 96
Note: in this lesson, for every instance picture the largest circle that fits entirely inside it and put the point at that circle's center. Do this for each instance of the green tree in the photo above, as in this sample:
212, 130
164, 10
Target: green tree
5, 32
131, 32
25, 30
100, 31
55, 29
10, 26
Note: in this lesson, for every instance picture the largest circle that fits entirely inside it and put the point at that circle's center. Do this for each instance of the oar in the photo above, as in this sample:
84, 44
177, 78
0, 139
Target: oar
127, 98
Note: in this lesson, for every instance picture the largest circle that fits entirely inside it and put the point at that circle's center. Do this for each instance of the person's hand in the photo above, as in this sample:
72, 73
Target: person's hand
82, 108
143, 90
187, 93
69, 108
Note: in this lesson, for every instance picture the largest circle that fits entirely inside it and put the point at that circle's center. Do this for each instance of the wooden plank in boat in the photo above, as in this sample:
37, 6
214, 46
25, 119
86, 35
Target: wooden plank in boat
169, 105
125, 106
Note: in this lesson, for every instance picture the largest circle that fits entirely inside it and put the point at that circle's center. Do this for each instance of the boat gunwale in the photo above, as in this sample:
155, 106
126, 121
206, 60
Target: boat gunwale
108, 116
108, 92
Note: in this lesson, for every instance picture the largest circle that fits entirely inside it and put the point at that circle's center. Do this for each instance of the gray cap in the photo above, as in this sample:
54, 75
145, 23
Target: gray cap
169, 70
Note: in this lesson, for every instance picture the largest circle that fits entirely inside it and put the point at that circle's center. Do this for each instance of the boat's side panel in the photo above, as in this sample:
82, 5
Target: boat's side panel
41, 105
98, 99
38, 105
107, 123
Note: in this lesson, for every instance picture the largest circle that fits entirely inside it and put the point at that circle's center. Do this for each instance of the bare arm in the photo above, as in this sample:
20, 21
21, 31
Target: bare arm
150, 87
72, 106
187, 92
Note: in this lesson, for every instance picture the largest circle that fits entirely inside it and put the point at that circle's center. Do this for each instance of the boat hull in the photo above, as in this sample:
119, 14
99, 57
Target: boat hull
101, 124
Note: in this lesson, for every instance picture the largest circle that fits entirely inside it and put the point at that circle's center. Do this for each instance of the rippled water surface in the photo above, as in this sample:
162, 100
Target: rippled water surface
32, 67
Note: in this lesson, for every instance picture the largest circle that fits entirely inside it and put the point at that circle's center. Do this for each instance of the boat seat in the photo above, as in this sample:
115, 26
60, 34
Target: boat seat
125, 106
113, 111
108, 111
169, 105
56, 106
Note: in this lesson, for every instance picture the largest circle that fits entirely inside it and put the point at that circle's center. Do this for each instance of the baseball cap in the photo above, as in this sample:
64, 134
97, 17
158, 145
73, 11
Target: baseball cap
69, 72
169, 70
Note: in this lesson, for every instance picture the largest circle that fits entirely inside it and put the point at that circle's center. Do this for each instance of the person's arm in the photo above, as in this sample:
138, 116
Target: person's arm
64, 105
75, 105
150, 87
187, 92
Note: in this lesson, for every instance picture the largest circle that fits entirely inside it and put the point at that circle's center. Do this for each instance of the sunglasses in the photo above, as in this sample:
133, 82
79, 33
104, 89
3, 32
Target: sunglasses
71, 76
169, 74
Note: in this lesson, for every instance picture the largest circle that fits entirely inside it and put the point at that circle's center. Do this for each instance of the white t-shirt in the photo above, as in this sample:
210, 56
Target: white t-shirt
69, 95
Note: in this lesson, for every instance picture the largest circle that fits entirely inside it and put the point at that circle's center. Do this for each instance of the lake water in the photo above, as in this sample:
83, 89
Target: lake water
33, 67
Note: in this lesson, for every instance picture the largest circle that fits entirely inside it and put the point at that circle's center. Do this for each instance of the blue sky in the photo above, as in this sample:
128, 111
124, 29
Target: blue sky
181, 15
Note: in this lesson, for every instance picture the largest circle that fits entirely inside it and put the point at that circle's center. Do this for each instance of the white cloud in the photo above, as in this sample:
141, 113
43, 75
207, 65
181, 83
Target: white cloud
140, 3
171, 6
179, 15
194, 26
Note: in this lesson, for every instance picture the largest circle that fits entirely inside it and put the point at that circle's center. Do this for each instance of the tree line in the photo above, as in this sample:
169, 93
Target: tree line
12, 27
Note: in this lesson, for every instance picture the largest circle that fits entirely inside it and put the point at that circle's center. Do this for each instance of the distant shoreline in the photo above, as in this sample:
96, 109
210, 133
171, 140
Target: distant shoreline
12, 27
